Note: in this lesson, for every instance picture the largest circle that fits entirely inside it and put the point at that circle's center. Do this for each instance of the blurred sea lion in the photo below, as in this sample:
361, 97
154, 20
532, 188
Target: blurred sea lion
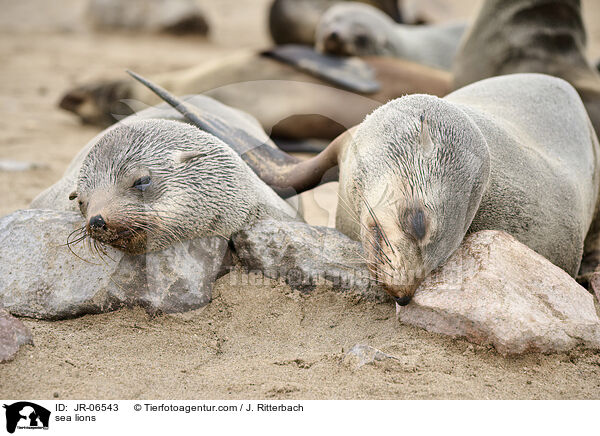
169, 16
516, 153
293, 93
537, 36
356, 29
295, 21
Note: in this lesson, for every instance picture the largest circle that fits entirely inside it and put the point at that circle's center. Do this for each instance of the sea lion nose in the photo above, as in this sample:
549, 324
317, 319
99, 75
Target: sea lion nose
333, 42
403, 301
97, 222
402, 294
334, 37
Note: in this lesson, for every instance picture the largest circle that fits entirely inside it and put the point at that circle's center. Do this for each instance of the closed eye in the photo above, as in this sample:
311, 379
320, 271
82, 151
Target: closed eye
142, 183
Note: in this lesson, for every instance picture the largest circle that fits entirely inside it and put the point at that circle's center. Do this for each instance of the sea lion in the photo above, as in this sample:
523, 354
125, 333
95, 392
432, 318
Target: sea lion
295, 21
169, 16
516, 153
355, 29
289, 102
152, 180
530, 36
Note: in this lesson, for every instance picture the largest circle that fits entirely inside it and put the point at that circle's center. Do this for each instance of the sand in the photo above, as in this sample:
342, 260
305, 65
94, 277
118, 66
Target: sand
261, 340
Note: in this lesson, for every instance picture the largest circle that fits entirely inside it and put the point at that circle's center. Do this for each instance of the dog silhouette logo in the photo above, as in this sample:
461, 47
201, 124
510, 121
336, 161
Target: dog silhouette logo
26, 415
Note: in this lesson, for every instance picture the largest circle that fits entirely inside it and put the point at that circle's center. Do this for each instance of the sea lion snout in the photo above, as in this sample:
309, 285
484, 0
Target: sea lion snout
334, 44
97, 222
402, 294
402, 301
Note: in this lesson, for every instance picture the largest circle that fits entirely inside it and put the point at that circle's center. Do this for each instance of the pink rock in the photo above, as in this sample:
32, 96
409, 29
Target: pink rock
495, 290
13, 334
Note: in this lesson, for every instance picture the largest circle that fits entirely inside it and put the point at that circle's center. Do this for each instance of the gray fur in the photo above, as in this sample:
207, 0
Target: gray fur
514, 153
56, 196
530, 36
433, 45
213, 194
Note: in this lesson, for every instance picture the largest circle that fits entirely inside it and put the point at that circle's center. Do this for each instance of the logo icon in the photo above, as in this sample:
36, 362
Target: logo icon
26, 415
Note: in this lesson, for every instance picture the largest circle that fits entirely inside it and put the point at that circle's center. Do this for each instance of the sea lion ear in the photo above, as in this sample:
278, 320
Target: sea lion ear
73, 195
184, 156
424, 136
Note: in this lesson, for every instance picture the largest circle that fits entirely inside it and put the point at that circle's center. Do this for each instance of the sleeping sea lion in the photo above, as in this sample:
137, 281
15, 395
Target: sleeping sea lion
355, 29
295, 21
152, 180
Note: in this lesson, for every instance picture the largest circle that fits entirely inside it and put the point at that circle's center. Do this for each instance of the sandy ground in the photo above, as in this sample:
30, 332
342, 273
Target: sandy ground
260, 340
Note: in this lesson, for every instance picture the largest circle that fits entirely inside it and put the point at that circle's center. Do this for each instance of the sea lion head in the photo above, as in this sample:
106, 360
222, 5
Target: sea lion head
149, 183
98, 103
420, 168
355, 29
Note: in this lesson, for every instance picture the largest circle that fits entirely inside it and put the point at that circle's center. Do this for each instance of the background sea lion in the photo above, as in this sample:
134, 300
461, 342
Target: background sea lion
288, 102
516, 153
355, 29
537, 36
170, 16
146, 183
295, 21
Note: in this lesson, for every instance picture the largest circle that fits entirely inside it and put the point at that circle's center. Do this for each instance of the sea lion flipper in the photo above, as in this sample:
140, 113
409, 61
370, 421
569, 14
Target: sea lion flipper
351, 73
284, 173
239, 139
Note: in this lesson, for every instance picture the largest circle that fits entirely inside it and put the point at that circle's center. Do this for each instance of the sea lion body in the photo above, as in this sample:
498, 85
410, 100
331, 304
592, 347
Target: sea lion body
543, 164
152, 180
530, 36
354, 29
288, 102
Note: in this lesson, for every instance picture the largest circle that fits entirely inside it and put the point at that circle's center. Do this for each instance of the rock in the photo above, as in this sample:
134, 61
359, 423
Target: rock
495, 290
305, 256
360, 355
172, 16
13, 334
41, 278
10, 165
594, 282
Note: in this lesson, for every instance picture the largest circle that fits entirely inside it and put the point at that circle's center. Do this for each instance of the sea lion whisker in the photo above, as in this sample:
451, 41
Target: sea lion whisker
343, 203
379, 254
77, 232
69, 243
76, 255
100, 246
378, 224
380, 271
355, 219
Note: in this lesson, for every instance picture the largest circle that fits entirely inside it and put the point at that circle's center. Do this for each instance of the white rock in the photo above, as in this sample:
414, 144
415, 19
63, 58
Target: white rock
495, 290
41, 278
